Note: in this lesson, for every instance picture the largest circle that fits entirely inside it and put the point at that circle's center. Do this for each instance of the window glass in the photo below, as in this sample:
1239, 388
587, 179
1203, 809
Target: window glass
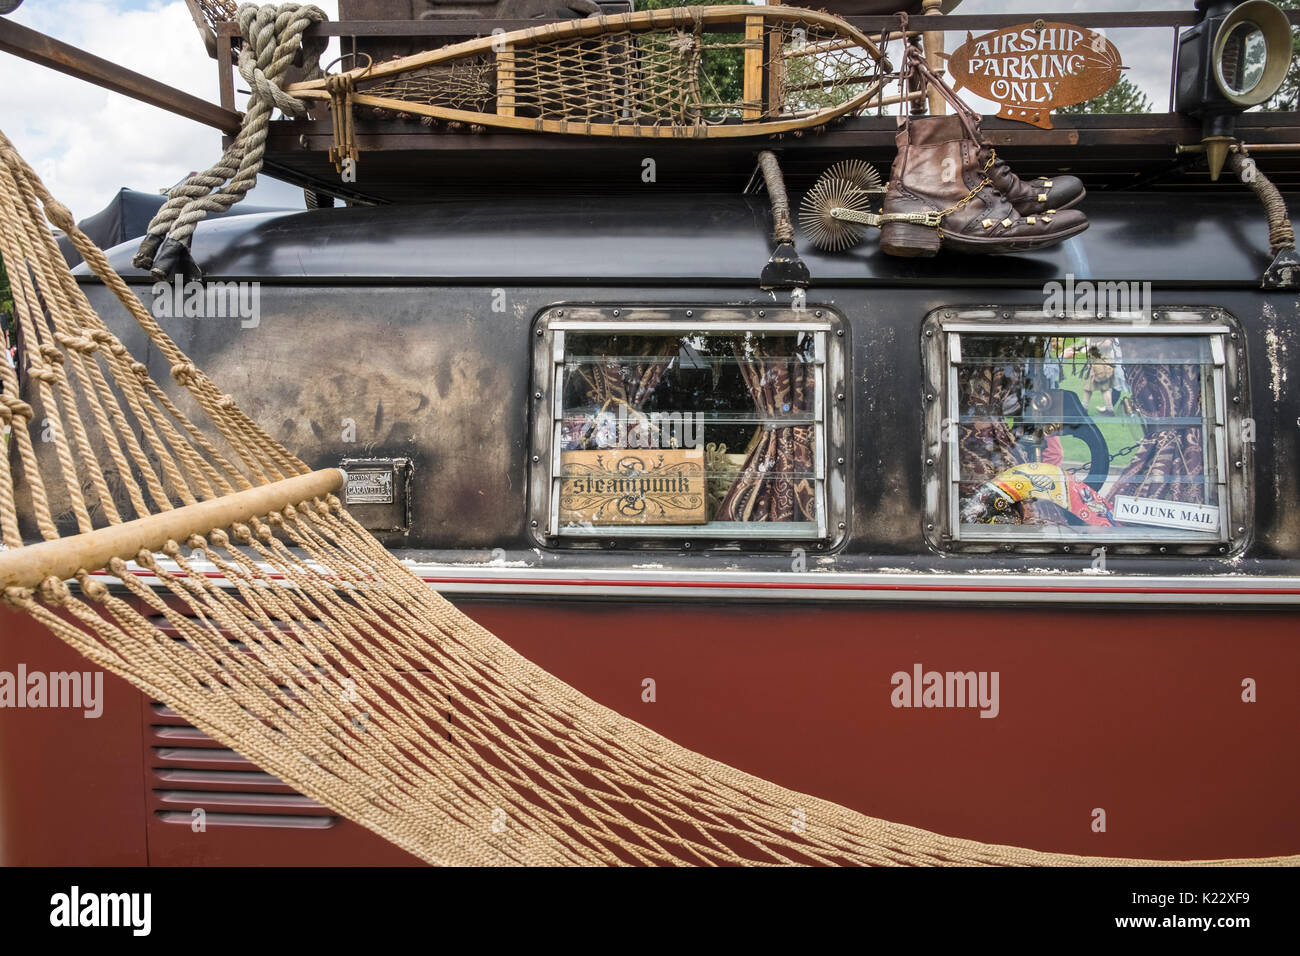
689, 432
1104, 436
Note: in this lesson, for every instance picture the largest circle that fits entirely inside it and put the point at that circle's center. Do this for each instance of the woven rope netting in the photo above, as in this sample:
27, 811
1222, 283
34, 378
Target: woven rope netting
663, 76
315, 653
217, 12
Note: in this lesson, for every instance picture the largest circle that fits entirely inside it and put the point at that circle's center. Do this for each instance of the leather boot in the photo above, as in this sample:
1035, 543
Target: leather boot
942, 194
1036, 196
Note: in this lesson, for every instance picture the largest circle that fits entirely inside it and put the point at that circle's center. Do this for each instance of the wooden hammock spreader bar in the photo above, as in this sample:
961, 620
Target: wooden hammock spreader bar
62, 558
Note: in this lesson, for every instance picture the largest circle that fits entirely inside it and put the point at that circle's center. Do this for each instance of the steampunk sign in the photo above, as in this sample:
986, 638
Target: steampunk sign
616, 487
1033, 68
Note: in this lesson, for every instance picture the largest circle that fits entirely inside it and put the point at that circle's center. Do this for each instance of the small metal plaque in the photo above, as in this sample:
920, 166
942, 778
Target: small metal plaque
378, 493
367, 487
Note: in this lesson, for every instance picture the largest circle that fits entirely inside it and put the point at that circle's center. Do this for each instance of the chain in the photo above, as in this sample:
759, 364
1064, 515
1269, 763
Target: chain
1126, 450
984, 181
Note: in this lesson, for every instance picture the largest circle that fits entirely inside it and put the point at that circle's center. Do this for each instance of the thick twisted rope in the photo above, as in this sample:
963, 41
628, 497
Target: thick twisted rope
272, 39
782, 228
1281, 234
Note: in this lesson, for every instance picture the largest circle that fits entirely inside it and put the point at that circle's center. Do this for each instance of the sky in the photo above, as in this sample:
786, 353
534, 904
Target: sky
86, 143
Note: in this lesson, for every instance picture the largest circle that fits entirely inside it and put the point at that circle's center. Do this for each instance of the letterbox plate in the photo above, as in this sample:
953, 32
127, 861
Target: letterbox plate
377, 492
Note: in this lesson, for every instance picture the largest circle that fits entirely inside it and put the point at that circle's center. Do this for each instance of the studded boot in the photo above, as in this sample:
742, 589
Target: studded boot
941, 194
1032, 197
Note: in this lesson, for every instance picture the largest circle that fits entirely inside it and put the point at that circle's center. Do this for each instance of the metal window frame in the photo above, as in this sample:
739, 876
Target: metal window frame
1225, 449
830, 424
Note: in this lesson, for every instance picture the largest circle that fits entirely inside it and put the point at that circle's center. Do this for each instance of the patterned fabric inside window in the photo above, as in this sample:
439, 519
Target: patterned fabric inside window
1103, 436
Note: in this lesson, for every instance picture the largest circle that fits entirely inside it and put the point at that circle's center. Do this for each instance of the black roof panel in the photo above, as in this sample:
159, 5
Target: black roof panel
650, 238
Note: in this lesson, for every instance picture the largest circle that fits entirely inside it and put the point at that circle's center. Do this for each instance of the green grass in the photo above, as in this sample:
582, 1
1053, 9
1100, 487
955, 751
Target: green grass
1119, 430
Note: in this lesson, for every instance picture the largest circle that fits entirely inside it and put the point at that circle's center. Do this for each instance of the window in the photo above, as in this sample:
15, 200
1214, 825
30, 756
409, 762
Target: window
684, 423
1101, 433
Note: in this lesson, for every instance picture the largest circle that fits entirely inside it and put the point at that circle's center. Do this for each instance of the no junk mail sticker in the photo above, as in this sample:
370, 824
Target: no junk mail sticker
1034, 68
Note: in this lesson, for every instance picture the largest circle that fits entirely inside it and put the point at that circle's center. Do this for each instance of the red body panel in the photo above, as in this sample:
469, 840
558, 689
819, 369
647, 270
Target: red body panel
1136, 712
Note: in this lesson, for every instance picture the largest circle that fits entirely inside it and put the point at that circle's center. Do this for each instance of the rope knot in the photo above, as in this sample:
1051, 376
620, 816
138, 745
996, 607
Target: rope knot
59, 214
340, 84
16, 597
54, 591
76, 343
241, 533
95, 590
145, 559
272, 39
184, 373
14, 409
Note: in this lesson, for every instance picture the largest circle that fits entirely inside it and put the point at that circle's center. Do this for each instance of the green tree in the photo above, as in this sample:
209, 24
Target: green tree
6, 301
1288, 95
722, 71
1123, 97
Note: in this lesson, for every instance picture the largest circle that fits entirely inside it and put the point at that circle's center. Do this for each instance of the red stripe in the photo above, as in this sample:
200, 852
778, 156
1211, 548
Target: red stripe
578, 582
797, 586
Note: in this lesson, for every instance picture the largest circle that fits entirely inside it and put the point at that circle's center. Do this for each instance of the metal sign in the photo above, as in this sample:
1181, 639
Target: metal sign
1036, 67
1167, 514
369, 487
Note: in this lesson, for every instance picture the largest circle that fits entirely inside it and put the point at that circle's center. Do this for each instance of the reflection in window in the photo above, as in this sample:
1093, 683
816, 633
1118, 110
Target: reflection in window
1104, 436
719, 430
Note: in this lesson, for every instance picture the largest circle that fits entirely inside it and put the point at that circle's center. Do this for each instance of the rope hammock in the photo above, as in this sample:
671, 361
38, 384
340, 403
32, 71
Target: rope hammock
318, 655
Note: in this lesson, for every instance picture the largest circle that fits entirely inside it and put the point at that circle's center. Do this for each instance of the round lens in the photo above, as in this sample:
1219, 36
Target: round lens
1241, 64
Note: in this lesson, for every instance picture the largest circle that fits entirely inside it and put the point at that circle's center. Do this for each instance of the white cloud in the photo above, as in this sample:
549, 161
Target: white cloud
86, 142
